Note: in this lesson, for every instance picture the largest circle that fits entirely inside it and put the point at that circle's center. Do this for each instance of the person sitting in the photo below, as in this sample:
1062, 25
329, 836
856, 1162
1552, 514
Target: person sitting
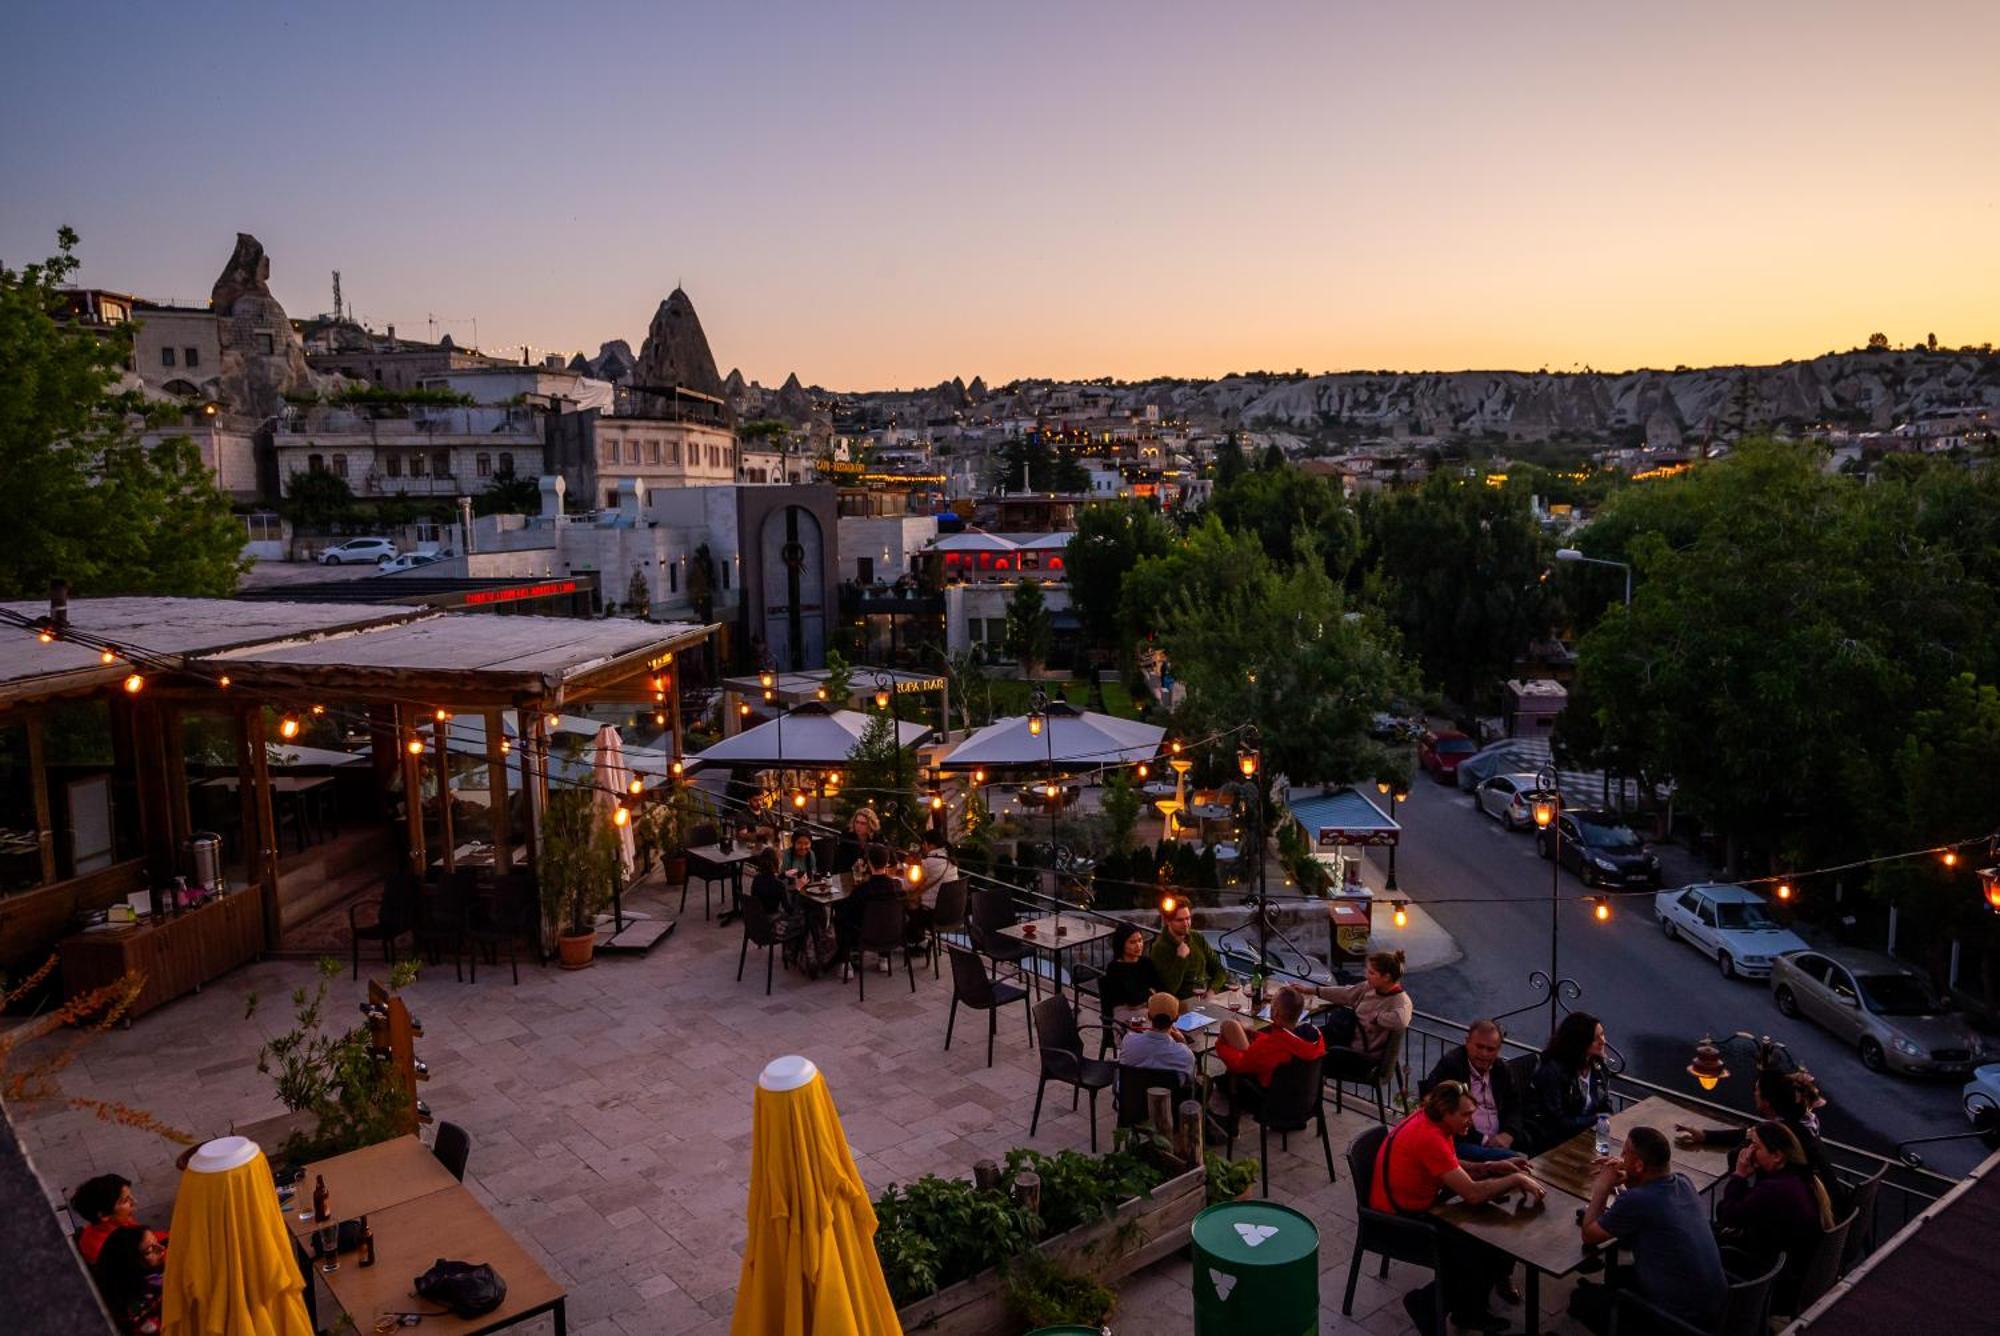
1570, 1087
131, 1264
1496, 1112
104, 1204
1792, 1098
852, 853
799, 857
1662, 1221
1773, 1203
1159, 1046
1183, 959
938, 868
772, 892
1366, 1017
1259, 1055
1129, 979
1415, 1166
879, 884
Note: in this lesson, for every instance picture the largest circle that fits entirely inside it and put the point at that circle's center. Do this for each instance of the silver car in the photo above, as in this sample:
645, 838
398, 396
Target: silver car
1889, 1013
1730, 924
1509, 799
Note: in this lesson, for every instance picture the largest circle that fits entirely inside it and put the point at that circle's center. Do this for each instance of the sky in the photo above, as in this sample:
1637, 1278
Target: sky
881, 195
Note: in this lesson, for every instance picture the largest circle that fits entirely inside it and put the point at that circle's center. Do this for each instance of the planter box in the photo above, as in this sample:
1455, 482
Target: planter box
1139, 1233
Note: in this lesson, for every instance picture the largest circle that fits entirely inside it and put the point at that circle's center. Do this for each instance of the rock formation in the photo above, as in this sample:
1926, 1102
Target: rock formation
675, 354
262, 357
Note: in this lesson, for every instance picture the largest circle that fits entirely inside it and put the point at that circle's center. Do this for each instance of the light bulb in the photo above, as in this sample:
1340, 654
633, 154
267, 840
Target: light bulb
1402, 916
288, 728
619, 816
133, 684
415, 746
107, 656
637, 785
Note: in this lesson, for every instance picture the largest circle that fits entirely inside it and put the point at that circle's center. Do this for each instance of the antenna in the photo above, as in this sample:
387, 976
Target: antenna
336, 295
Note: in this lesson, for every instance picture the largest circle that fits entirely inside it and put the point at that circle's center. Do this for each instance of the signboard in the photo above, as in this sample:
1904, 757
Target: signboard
1336, 837
546, 589
904, 688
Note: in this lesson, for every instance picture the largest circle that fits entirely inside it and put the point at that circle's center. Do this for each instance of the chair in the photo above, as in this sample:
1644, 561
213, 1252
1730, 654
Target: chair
971, 986
758, 930
1132, 1084
1747, 1313
1821, 1270
451, 1148
394, 916
440, 923
1387, 1069
882, 931
948, 919
502, 917
1402, 1238
1861, 1202
1294, 1101
1063, 1060
992, 910
705, 870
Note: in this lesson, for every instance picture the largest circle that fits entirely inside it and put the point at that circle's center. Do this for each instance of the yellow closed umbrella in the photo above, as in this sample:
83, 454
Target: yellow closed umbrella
809, 1268
231, 1270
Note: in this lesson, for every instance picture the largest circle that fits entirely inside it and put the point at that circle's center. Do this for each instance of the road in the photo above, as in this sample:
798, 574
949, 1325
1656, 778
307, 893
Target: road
1657, 998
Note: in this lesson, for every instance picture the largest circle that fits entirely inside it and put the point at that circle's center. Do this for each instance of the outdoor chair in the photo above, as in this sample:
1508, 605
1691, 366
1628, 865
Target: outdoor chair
1860, 1200
1818, 1274
948, 920
992, 908
1062, 1060
972, 987
884, 933
451, 1148
1378, 1078
1129, 1093
1412, 1239
1747, 1313
705, 870
1294, 1101
440, 924
758, 930
395, 914
502, 916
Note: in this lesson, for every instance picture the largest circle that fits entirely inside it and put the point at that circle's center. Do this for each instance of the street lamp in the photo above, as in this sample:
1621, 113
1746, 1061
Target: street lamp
1249, 760
884, 694
1709, 1069
1038, 727
1571, 554
1989, 887
1547, 809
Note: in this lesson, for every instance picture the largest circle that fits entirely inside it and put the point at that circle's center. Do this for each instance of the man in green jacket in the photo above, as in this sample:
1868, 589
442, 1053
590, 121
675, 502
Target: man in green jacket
1183, 958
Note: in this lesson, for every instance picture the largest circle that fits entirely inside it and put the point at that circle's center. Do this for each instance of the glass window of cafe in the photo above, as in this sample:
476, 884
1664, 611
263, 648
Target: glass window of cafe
20, 838
93, 794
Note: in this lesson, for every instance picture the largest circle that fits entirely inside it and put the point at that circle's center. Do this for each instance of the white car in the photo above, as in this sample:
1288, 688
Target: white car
1730, 924
1508, 799
1981, 1097
410, 561
359, 552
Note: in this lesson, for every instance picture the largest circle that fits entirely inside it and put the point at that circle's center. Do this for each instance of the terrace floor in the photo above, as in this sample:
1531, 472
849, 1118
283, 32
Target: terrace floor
610, 1114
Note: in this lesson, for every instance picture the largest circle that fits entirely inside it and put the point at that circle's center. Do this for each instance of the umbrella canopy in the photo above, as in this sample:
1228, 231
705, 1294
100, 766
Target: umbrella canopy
609, 776
809, 737
809, 1265
230, 1271
1071, 737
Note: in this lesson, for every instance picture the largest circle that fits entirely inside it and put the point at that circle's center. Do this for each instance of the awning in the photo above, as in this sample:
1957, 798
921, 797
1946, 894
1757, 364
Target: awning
810, 736
1343, 817
1080, 739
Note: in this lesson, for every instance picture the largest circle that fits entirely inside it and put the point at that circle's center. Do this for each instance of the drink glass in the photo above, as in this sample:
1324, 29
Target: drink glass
327, 1236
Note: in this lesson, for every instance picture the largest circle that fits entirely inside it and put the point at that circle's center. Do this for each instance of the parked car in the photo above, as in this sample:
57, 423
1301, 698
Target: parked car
1509, 799
1440, 752
1730, 924
410, 561
1889, 1013
1981, 1099
1398, 723
1602, 850
358, 551
1505, 757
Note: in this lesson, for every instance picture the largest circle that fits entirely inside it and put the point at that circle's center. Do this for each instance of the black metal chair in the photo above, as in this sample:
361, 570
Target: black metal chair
1132, 1084
451, 1148
758, 930
992, 908
395, 914
1412, 1239
440, 923
1818, 1274
1385, 1071
501, 917
1747, 1313
1294, 1101
972, 987
883, 932
948, 918
705, 870
1860, 1200
1063, 1060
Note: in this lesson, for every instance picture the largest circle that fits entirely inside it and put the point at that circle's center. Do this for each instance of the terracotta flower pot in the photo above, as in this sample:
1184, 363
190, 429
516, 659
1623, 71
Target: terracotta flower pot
576, 952
675, 870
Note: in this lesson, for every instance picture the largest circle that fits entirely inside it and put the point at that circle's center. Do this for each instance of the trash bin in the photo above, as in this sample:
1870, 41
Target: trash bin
1256, 1271
1069, 1331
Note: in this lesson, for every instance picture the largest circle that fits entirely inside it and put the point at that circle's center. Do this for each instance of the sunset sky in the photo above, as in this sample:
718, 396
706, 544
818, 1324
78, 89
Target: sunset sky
890, 195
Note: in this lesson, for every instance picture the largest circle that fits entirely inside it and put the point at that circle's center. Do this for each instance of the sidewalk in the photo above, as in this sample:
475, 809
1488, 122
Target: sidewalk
1423, 941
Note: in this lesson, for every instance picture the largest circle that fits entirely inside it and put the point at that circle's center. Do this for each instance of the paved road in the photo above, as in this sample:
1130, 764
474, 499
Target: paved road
1656, 997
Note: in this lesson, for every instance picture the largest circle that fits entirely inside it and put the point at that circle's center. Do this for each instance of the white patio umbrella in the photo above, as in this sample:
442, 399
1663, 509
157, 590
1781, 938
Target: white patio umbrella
810, 737
1077, 739
609, 775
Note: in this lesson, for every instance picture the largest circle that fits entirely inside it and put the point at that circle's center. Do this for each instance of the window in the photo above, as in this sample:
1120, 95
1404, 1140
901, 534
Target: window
266, 345
673, 576
506, 461
673, 452
1842, 984
652, 452
190, 357
631, 452
864, 569
482, 464
166, 357
611, 498
315, 464
441, 463
340, 466
1813, 967
607, 452
417, 464
394, 464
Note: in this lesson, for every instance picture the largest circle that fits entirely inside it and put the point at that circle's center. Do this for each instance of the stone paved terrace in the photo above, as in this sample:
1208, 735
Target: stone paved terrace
610, 1116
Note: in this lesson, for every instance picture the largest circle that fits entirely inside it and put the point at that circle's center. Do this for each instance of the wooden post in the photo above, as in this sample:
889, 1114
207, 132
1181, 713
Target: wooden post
1189, 1144
267, 827
173, 757
524, 739
674, 703
496, 793
142, 722
413, 791
441, 744
249, 838
38, 778
1028, 1192
1160, 1111
385, 753
986, 1175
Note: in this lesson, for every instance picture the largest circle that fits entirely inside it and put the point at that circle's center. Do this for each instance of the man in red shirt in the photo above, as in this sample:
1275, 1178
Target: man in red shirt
1261, 1054
1417, 1162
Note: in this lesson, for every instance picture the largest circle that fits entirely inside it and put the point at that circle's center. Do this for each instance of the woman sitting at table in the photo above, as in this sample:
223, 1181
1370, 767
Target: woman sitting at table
1130, 978
105, 1204
1366, 1018
852, 853
1773, 1203
130, 1267
1570, 1086
1791, 1098
799, 857
775, 897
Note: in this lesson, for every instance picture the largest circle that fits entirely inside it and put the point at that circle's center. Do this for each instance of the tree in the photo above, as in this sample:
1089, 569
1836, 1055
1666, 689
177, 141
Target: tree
1208, 565
1274, 458
701, 583
839, 680
1281, 504
317, 501
638, 598
1028, 626
879, 776
1878, 342
1109, 542
83, 500
1229, 462
509, 494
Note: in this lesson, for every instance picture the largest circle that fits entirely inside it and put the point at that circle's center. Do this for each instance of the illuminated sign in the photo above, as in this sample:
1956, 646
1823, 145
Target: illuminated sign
926, 684
546, 589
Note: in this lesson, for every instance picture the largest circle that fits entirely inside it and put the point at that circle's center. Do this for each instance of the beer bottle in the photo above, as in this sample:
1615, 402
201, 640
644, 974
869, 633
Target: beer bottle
367, 1243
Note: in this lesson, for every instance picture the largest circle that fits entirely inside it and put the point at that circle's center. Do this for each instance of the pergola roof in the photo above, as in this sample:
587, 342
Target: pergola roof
809, 736
1071, 737
1343, 817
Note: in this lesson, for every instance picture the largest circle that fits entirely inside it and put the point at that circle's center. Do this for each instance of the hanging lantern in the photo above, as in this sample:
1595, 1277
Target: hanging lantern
765, 679
1708, 1067
636, 787
288, 728
1544, 808
1989, 886
1035, 724
1402, 915
1246, 762
881, 698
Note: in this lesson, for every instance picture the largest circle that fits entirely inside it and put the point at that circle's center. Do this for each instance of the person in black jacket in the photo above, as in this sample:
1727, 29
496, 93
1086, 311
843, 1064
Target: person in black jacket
1496, 1128
1791, 1098
1570, 1087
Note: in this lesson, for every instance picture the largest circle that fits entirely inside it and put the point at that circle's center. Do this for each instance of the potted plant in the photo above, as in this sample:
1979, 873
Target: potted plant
577, 861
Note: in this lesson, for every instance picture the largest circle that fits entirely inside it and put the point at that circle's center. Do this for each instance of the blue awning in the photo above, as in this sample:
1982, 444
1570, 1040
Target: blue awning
1343, 817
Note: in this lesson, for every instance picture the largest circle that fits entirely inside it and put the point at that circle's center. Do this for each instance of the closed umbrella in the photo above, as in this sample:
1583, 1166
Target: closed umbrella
809, 1267
610, 776
232, 1270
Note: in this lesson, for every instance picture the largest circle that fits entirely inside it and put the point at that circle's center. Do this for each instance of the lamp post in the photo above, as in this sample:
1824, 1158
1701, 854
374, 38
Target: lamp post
1040, 724
1571, 554
885, 697
1249, 760
1709, 1069
1547, 808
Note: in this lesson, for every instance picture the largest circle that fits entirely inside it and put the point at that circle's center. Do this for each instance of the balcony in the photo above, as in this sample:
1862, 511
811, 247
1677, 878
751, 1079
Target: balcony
859, 600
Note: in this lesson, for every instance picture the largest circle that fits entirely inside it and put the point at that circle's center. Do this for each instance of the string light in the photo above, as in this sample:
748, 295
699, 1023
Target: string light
1600, 908
46, 636
553, 720
620, 816
107, 656
636, 787
1402, 914
1144, 770
415, 746
222, 681
743, 709
1168, 905
1784, 890
319, 709
441, 714
1949, 857
979, 776
133, 683
288, 728
505, 746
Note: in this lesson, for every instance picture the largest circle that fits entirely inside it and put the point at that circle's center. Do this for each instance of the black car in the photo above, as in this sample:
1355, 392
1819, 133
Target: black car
1603, 850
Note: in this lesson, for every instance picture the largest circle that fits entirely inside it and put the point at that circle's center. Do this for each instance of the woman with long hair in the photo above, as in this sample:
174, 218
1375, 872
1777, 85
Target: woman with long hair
1789, 1097
1129, 978
1571, 1085
1774, 1203
1366, 1017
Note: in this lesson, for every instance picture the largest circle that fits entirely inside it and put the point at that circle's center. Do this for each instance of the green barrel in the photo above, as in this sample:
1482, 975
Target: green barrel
1256, 1271
1068, 1331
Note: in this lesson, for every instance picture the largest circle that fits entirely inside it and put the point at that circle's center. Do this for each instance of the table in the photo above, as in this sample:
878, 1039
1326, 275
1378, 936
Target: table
172, 956
1545, 1238
1055, 934
419, 1213
1567, 1166
300, 791
738, 854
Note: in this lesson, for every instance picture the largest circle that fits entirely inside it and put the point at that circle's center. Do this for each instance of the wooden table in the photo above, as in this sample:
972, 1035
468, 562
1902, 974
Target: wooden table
1567, 1166
1055, 934
419, 1213
1544, 1239
172, 956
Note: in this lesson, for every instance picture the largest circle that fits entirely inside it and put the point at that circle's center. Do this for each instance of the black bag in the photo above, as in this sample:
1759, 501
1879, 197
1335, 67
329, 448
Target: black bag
468, 1289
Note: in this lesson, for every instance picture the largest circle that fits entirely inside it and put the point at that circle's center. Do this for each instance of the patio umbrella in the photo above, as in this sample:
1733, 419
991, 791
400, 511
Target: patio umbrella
809, 1267
1079, 739
231, 1271
610, 777
811, 737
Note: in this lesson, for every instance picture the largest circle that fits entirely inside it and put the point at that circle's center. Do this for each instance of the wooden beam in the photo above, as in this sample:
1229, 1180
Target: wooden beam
173, 755
267, 826
441, 744
249, 838
496, 792
38, 777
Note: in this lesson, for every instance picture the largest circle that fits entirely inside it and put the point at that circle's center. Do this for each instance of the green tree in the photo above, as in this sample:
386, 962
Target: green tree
1028, 627
1229, 462
82, 499
839, 680
509, 494
1280, 505
879, 776
1109, 542
701, 583
1208, 565
318, 501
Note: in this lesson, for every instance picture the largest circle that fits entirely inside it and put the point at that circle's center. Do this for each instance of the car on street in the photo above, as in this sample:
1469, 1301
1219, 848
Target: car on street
1396, 724
1601, 849
1440, 751
1889, 1013
1729, 924
1981, 1098
359, 552
1508, 799
410, 561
